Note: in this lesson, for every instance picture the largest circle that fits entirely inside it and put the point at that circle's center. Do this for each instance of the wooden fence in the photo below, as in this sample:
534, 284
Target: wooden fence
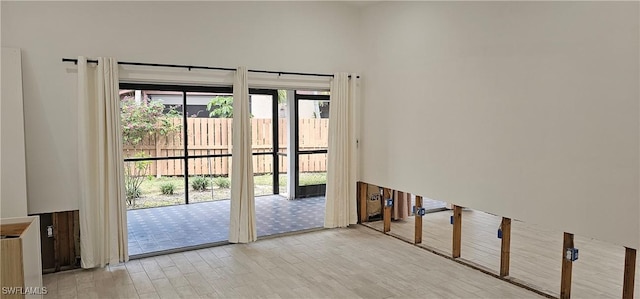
208, 136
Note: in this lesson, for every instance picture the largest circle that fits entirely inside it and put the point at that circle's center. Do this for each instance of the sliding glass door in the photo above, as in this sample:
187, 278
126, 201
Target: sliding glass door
178, 151
209, 119
263, 106
175, 145
178, 142
312, 130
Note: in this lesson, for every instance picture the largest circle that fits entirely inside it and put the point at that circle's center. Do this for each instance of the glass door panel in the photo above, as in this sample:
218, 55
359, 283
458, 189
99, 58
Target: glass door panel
264, 143
262, 175
176, 151
312, 120
283, 167
150, 131
208, 179
209, 121
312, 174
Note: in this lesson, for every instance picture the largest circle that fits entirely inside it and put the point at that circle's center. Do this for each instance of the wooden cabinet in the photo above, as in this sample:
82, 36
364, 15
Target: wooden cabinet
20, 262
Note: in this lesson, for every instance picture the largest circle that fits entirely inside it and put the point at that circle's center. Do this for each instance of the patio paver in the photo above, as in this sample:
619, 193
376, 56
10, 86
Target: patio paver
172, 227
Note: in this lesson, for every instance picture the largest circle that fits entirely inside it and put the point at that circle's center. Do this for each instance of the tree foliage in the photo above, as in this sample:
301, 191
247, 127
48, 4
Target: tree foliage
221, 107
282, 96
145, 118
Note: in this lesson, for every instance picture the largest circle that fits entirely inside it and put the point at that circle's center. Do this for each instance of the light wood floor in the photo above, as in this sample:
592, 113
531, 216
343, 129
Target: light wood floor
536, 252
339, 263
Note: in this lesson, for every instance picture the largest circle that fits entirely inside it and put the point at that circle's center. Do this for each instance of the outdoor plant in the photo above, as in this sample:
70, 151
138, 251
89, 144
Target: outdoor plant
140, 120
199, 183
167, 188
222, 182
134, 175
221, 107
145, 118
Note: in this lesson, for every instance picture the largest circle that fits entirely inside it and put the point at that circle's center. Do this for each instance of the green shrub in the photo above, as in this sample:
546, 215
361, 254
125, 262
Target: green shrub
133, 192
167, 188
199, 183
134, 175
222, 182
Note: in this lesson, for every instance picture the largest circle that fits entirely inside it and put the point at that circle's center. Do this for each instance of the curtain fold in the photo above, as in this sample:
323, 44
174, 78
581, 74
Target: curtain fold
340, 205
103, 221
242, 226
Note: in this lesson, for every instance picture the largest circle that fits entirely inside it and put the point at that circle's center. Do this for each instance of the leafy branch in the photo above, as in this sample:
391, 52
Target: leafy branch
221, 107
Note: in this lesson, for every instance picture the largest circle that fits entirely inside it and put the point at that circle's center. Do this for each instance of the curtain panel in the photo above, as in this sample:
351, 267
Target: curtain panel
103, 221
340, 205
242, 225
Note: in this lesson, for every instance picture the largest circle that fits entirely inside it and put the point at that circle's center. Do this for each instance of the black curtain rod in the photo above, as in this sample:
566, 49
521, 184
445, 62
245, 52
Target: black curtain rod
191, 67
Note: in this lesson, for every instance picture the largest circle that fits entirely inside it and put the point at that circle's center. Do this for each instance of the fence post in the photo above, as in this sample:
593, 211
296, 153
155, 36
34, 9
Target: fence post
158, 154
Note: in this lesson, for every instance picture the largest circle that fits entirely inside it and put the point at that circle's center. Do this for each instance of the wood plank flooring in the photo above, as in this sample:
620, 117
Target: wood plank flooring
355, 262
535, 252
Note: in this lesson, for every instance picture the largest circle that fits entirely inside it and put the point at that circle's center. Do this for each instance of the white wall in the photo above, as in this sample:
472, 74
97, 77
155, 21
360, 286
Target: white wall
288, 36
13, 196
526, 110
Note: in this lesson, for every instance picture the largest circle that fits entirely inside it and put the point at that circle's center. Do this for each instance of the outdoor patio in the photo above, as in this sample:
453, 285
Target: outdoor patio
173, 227
166, 228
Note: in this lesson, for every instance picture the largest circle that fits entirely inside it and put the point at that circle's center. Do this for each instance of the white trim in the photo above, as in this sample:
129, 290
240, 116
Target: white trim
138, 74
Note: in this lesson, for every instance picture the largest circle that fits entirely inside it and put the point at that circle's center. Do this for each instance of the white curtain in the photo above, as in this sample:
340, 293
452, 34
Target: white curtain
103, 218
340, 206
242, 227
